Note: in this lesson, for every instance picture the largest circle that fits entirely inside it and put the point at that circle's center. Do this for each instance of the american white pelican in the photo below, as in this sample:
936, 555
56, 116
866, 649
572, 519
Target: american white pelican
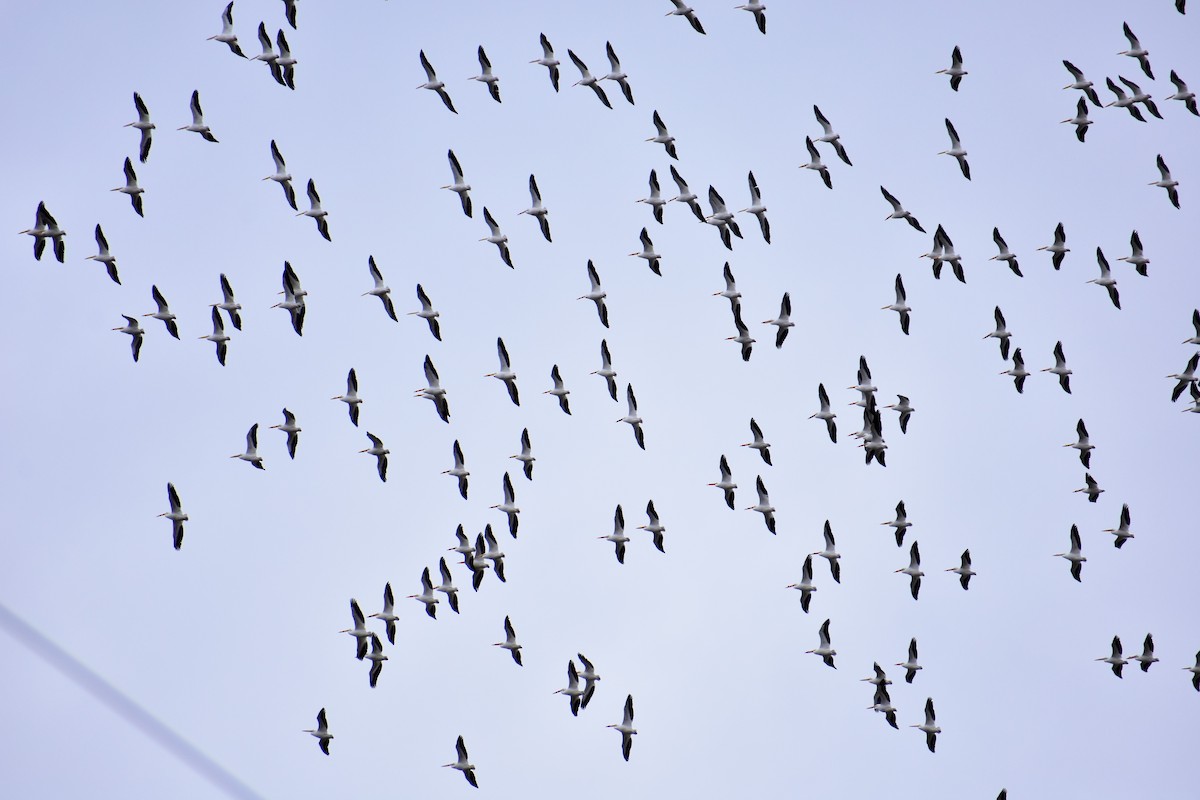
964, 569
510, 642
218, 336
251, 455
1121, 532
763, 506
722, 218
380, 290
477, 562
1083, 445
433, 84
911, 666
163, 312
1116, 661
815, 163
1127, 103
1196, 325
830, 553
830, 136
286, 62
1005, 254
1091, 489
1186, 378
683, 10
144, 126
44, 228
105, 257
434, 391
459, 470
1075, 554
537, 210
135, 330
615, 73
805, 586
900, 523
586, 79
955, 72
227, 36
1082, 84
505, 374
663, 136
508, 506
825, 414
447, 586
1136, 95
497, 237
1002, 333
1166, 182
596, 294
228, 304
898, 211
1136, 51
882, 702
759, 444
292, 430
606, 371
493, 553
686, 195
757, 208
956, 150
1195, 670
548, 60
282, 177
726, 484
901, 305
457, 184
321, 732
485, 75
359, 631
388, 615
1183, 94
376, 657
268, 55
526, 456
654, 527
427, 313
913, 570
176, 515
1018, 371
652, 258
1147, 657
864, 385
783, 321
1060, 368
293, 298
1080, 120
625, 728
824, 649
427, 597
351, 398
655, 200
873, 444
759, 11
731, 291
743, 337
589, 675
198, 125
316, 212
560, 390
380, 452
1136, 257
904, 409
463, 764
929, 727
618, 536
573, 692
1106, 279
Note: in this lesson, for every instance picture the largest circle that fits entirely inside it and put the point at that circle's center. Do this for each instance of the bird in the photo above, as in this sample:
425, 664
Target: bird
228, 304
268, 55
497, 237
510, 642
1183, 94
380, 452
198, 125
131, 188
526, 456
176, 515
227, 36
904, 409
663, 137
286, 62
316, 212
618, 537
1195, 324
1121, 532
964, 569
783, 322
1084, 446
491, 552
508, 506
1136, 257
589, 676
135, 330
1116, 661
1195, 670
763, 448
426, 313
321, 732
929, 727
1180, 6
1186, 378
1106, 279
734, 295
726, 484
376, 657
632, 417
1091, 489
898, 211
1060, 368
586, 79
476, 560
1058, 250
218, 336
486, 76
1136, 51
359, 631
427, 597
282, 177
815, 163
433, 84
1147, 657
560, 391
911, 666
900, 523
1166, 182
805, 586
447, 585
251, 455
683, 10
830, 553
830, 136
1005, 255
606, 371
913, 570
1075, 555
163, 312
537, 209
955, 72
615, 73
351, 398
1122, 101
144, 126
901, 305
45, 227
763, 506
743, 337
956, 150
824, 648
825, 414
293, 298
463, 764
505, 374
459, 470
548, 60
757, 208
1080, 120
291, 429
380, 290
1002, 333
652, 258
458, 185
596, 294
686, 195
1081, 83
105, 257
882, 702
655, 200
863, 376
573, 692
625, 728
759, 11
722, 218
388, 616
654, 527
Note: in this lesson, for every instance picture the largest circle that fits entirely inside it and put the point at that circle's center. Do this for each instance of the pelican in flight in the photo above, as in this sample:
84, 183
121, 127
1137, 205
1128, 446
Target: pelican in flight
268, 55
913, 570
282, 177
560, 391
830, 136
463, 764
351, 398
321, 732
757, 209
316, 212
911, 666
655, 200
654, 527
447, 586
536, 209
1106, 279
825, 414
1136, 95
1091, 488
433, 84
632, 417
683, 10
964, 569
900, 523
45, 227
1059, 249
763, 506
573, 692
615, 73
606, 371
476, 560
805, 586
904, 409
882, 703
759, 10
956, 150
722, 218
586, 79
510, 642
1195, 670
427, 597
1060, 368
135, 330
508, 507
901, 305
229, 303
1116, 661
548, 60
1127, 103
493, 553
734, 295
1183, 94
1018, 371
293, 298
380, 290
198, 125
652, 258
459, 470
625, 728
1082, 84
227, 36
376, 657
163, 312
388, 615
105, 257
824, 649
144, 126
864, 386
618, 536
726, 484
589, 676
434, 391
1080, 120
830, 553
526, 456
686, 195
176, 515
505, 374
1005, 254
759, 444
1121, 532
1084, 446
458, 185
1075, 554
815, 163
497, 237
1136, 257
1147, 657
486, 76
898, 211
218, 336
596, 294
1136, 51
1166, 182
955, 72
1186, 378
1002, 333
743, 337
251, 455
663, 137
359, 631
929, 727
380, 452
783, 322
131, 188
292, 430
426, 313
285, 63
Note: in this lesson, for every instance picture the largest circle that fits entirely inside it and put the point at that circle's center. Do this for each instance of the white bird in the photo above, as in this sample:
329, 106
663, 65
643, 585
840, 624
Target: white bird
1081, 83
285, 62
433, 84
825, 414
144, 126
447, 586
615, 73
759, 444
586, 79
218, 336
654, 527
526, 456
900, 523
135, 330
508, 507
351, 398
1005, 254
321, 732
757, 208
537, 210
548, 60
1195, 670
618, 537
198, 125
227, 36
632, 417
434, 391
510, 642
388, 615
1106, 279
815, 163
268, 55
1147, 657
1058, 250
589, 676
1166, 182
293, 298
625, 728
486, 76
929, 727
686, 195
316, 212
476, 561
898, 211
282, 177
427, 597
783, 322
1075, 555
830, 553
457, 184
163, 312
596, 294
882, 703
904, 409
1060, 368
292, 430
722, 218
1083, 445
726, 484
463, 764
805, 586
663, 136
427, 313
459, 470
376, 657
606, 371
251, 455
683, 10
105, 257
1121, 532
1136, 51
45, 227
1001, 332
655, 200
229, 303
1116, 661
730, 290
560, 390
131, 188
359, 631
506, 375
1136, 257
759, 11
956, 150
743, 337
492, 552
955, 72
1183, 94
824, 649
380, 452
913, 570
176, 515
911, 666
652, 258
380, 290
497, 237
1091, 488
901, 306
863, 376
830, 136
1186, 378
1122, 101
573, 691
1080, 120
1196, 325
763, 506
964, 569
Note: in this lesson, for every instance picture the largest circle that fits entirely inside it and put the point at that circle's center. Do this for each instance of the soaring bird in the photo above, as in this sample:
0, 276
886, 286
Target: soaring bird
426, 597
955, 72
1122, 101
268, 55
734, 296
606, 371
493, 553
351, 398
784, 321
1136, 257
433, 84
900, 523
632, 417
615, 73
759, 10
722, 218
573, 691
251, 455
1106, 279
586, 79
948, 255
496, 236
1002, 333
380, 290
1165, 181
683, 10
686, 195
1121, 532
1018, 371
830, 553
463, 764
929, 727
388, 615
176, 515
1195, 670
537, 210
726, 484
380, 452
830, 136
1084, 446
505, 374
526, 456
652, 258
560, 391
596, 294
136, 331
589, 676
757, 208
459, 470
286, 62
1136, 51
625, 728
144, 126
282, 177
163, 312
293, 298
825, 414
292, 430
759, 444
227, 36
913, 570
218, 336
105, 257
911, 665
805, 586
1147, 657
1060, 368
964, 569
1116, 660
427, 313
901, 305
548, 60
447, 586
1059, 249
815, 162
131, 188
1005, 254
485, 75
45, 227
198, 125
508, 506
1091, 488
654, 527
663, 136
321, 732
904, 409
1183, 94
1186, 378
1081, 83
376, 657
763, 506
229, 303
956, 150
656, 201
743, 337
824, 649
1075, 555
316, 212
359, 631
457, 184
882, 702
1080, 120
510, 642
618, 536
898, 211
